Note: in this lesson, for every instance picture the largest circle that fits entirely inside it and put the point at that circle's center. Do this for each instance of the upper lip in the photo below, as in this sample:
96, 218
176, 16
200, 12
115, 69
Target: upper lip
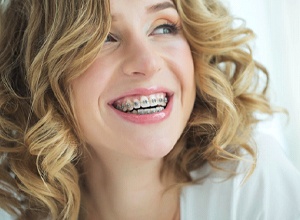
142, 92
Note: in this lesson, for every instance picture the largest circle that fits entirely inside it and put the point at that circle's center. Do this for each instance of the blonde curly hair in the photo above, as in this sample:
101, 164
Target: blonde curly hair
44, 45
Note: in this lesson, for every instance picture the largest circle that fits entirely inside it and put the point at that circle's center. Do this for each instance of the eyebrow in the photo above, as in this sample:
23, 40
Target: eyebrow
160, 6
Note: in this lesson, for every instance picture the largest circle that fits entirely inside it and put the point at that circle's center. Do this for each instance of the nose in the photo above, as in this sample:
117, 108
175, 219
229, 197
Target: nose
141, 59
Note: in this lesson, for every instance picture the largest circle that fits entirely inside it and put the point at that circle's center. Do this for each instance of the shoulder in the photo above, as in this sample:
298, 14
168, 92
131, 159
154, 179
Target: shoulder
271, 192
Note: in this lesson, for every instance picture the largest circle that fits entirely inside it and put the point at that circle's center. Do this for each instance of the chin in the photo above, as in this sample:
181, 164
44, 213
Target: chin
156, 149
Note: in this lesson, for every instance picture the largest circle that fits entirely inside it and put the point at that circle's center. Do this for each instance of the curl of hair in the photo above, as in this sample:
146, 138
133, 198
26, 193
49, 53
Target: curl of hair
43, 46
231, 89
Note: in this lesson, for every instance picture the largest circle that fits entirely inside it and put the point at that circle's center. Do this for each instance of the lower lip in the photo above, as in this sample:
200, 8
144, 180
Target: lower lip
146, 118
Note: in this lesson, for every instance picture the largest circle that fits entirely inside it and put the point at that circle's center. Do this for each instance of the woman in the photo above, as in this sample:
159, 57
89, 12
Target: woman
133, 110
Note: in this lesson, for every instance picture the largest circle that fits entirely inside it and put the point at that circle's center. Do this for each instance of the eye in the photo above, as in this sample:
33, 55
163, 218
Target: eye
110, 38
167, 28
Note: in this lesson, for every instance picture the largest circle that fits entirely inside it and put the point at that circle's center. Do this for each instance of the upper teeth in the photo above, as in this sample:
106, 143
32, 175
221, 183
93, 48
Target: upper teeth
129, 104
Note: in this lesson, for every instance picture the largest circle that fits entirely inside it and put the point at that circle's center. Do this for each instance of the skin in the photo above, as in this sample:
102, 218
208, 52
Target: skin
144, 51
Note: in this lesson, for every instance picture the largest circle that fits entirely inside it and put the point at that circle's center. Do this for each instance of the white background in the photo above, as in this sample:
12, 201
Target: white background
277, 27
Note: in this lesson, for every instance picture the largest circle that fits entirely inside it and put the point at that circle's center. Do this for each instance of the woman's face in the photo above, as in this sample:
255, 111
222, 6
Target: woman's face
137, 96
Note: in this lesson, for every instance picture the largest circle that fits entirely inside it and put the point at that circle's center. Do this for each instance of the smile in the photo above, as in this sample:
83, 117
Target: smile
141, 105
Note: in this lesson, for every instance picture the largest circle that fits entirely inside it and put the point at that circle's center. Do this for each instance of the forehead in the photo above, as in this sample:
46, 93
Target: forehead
138, 6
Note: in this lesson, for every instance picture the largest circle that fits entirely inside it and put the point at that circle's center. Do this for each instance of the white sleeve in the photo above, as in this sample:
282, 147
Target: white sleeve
272, 192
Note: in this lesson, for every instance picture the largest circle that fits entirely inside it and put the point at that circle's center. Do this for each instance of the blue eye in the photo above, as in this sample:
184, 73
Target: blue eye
166, 29
110, 38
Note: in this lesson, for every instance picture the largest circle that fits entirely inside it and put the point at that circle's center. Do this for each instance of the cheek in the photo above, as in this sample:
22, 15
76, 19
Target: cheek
88, 87
183, 65
86, 93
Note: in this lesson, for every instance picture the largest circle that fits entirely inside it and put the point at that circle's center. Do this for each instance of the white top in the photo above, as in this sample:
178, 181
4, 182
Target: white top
272, 192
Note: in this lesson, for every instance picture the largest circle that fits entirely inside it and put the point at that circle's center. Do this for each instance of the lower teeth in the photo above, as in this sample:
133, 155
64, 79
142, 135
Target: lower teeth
147, 111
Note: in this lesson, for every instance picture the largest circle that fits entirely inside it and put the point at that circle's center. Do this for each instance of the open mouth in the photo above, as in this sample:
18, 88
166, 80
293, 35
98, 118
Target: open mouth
142, 104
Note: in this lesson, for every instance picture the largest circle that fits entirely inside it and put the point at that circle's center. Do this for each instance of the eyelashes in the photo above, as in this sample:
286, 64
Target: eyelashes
167, 28
110, 38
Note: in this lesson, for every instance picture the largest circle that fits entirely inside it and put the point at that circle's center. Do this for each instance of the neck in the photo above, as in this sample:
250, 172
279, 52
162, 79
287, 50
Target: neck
127, 188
